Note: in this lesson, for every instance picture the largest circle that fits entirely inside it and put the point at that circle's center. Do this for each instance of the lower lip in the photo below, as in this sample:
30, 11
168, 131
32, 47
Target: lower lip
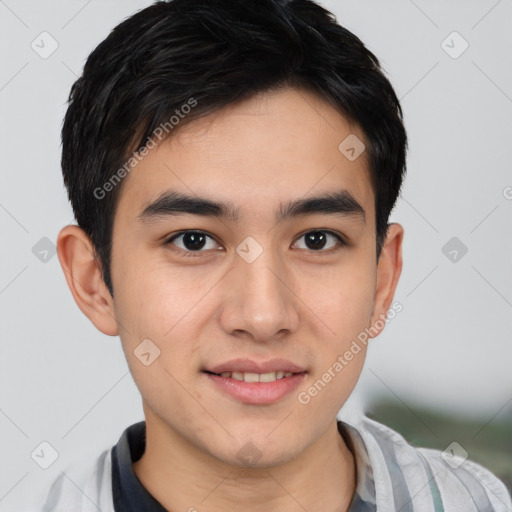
257, 392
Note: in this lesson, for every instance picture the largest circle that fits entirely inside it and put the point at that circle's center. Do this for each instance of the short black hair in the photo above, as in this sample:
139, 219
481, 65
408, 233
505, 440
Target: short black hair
210, 53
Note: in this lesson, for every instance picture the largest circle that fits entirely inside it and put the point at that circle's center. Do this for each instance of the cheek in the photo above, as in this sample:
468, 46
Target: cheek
340, 355
153, 296
343, 301
157, 338
343, 297
159, 304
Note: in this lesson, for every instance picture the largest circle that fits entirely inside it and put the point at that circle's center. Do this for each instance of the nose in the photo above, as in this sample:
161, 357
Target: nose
260, 302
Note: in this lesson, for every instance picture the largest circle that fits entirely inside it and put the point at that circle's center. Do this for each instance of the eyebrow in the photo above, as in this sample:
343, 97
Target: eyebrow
173, 203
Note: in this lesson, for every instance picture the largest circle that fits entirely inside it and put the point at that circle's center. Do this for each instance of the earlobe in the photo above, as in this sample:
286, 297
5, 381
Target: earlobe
83, 275
389, 269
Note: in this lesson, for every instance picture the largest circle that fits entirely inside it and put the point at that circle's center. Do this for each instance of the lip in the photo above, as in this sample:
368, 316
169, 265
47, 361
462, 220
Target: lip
256, 393
248, 365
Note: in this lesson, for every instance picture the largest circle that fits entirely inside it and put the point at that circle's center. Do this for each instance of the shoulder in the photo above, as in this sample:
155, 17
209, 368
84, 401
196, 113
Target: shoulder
86, 485
424, 479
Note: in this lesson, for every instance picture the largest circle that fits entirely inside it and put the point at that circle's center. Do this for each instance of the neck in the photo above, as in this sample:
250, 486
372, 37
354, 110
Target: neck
181, 477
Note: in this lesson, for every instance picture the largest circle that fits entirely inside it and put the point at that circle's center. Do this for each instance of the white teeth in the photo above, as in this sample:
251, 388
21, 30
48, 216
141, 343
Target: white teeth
256, 377
268, 377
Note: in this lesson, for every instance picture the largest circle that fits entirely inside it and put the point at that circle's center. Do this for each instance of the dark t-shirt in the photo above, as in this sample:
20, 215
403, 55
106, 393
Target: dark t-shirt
128, 492
131, 496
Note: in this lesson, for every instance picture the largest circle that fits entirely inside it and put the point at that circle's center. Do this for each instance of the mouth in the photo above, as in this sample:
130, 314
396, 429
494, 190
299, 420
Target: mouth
254, 388
277, 368
256, 382
255, 377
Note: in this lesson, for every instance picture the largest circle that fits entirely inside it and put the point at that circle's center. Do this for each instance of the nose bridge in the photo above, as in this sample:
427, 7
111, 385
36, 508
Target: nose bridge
261, 282
261, 303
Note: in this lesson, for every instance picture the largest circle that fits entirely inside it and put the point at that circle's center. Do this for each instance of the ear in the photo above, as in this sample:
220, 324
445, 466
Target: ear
389, 269
83, 275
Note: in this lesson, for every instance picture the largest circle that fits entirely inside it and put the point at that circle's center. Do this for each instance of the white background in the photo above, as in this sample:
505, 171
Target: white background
63, 382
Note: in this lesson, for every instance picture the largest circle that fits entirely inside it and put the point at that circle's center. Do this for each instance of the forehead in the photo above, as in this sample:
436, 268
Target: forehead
270, 149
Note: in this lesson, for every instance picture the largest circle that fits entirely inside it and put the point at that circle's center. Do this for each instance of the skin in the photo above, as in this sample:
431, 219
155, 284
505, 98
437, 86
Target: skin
292, 302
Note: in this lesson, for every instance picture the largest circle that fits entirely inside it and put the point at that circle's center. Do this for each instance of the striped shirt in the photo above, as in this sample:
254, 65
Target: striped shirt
395, 476
392, 476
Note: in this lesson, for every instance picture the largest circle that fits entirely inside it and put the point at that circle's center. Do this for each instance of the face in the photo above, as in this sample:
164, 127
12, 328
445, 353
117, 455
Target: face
256, 282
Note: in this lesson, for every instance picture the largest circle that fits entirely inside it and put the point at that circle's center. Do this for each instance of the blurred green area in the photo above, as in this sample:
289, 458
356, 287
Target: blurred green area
487, 440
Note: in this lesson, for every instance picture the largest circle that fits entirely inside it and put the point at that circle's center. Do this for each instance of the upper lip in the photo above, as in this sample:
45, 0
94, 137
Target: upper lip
250, 366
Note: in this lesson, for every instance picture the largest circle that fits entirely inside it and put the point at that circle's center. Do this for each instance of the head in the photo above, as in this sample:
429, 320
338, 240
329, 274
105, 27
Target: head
268, 134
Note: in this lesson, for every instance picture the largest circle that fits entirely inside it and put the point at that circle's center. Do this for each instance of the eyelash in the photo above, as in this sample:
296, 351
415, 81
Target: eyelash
341, 241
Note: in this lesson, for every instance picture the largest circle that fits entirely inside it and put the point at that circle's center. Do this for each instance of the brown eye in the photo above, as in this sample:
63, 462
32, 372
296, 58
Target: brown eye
192, 241
320, 239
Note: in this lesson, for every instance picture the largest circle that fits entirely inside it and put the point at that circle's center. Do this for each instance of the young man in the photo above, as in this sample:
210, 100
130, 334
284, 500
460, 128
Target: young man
232, 165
